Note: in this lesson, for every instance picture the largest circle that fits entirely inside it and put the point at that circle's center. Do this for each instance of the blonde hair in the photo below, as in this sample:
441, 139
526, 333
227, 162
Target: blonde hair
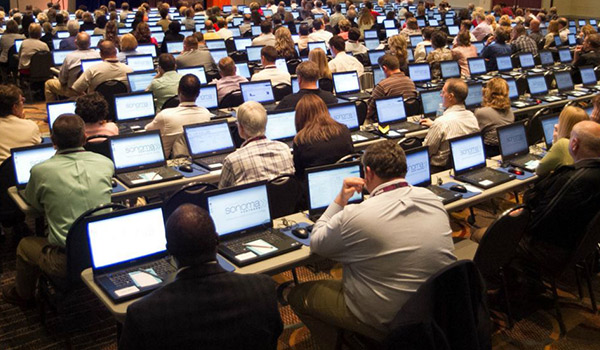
398, 45
495, 94
492, 21
128, 42
313, 121
284, 43
567, 119
553, 26
366, 18
318, 56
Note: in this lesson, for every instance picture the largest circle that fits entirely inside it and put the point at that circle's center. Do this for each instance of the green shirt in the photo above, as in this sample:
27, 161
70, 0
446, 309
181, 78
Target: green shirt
66, 185
164, 87
558, 155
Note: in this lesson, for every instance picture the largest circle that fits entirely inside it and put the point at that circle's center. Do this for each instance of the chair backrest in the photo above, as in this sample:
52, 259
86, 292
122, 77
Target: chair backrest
499, 243
192, 193
239, 56
281, 90
412, 106
292, 65
41, 62
363, 58
109, 89
410, 143
284, 195
101, 147
172, 102
361, 111
589, 241
229, 45
232, 99
9, 212
326, 84
212, 75
534, 130
349, 157
13, 59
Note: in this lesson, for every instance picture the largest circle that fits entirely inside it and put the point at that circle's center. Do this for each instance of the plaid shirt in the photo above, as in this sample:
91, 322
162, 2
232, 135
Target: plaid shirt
524, 44
256, 160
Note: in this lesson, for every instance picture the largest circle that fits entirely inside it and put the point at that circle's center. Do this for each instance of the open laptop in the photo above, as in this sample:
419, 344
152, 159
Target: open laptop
419, 174
58, 56
147, 48
243, 222
539, 90
243, 70
546, 59
140, 160
430, 101
565, 86
174, 46
208, 99
478, 69
324, 184
55, 109
505, 66
420, 74
215, 44
565, 57
347, 86
87, 63
390, 111
475, 95
415, 39
346, 113
128, 251
260, 91
24, 158
139, 81
133, 111
514, 147
513, 95
547, 123
218, 54
140, 63
527, 63
281, 126
468, 160
374, 56
198, 71
209, 143
253, 53
317, 44
588, 78
450, 69
372, 43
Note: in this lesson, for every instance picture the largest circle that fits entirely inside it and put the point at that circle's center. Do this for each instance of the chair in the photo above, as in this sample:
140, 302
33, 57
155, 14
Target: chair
108, 90
230, 45
292, 65
285, 194
212, 75
533, 127
498, 247
13, 64
349, 158
363, 58
232, 99
361, 111
192, 193
412, 106
281, 90
10, 214
239, 56
39, 71
410, 143
100, 147
172, 102
326, 84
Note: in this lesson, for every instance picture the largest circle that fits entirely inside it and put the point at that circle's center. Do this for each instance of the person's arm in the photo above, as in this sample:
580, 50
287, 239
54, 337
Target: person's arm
552, 160
227, 177
82, 83
33, 191
434, 137
158, 123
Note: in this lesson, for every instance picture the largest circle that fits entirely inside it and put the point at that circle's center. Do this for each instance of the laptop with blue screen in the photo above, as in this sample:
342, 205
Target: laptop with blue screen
281, 126
588, 78
139, 81
24, 158
133, 111
209, 143
209, 99
346, 113
547, 123
419, 174
55, 109
514, 147
347, 86
260, 91
391, 111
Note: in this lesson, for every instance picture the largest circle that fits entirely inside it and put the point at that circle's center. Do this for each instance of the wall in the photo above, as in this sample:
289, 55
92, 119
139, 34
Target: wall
579, 8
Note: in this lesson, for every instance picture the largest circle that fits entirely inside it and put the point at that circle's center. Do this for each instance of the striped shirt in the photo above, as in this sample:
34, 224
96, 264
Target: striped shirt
524, 44
228, 84
396, 84
456, 121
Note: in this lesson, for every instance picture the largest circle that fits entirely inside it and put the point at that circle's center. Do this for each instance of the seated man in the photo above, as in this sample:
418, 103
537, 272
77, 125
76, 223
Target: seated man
258, 158
69, 42
266, 36
63, 187
384, 264
308, 75
564, 203
589, 52
109, 69
319, 33
230, 80
195, 53
341, 61
456, 121
15, 130
205, 306
394, 84
268, 55
165, 83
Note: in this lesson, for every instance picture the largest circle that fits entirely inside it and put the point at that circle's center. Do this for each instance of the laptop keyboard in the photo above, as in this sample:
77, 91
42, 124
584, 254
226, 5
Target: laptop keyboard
219, 158
162, 268
237, 245
407, 126
486, 174
135, 175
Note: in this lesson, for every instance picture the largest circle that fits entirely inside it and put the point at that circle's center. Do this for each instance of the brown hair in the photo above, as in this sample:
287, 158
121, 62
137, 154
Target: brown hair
495, 94
313, 122
398, 45
595, 116
10, 95
227, 66
318, 56
567, 119
128, 42
284, 43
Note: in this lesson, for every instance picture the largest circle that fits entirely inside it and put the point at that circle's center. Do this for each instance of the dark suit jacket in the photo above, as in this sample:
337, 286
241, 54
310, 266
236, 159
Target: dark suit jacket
290, 101
309, 155
205, 307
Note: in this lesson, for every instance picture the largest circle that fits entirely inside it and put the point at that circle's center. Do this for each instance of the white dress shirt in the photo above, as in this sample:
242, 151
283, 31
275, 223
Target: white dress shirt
320, 35
345, 63
273, 74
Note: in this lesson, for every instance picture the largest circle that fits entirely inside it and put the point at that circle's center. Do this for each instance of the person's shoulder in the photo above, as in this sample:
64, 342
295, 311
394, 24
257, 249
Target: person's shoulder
98, 159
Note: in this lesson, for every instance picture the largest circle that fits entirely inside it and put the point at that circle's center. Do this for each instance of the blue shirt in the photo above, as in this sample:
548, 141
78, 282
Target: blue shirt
492, 51
68, 43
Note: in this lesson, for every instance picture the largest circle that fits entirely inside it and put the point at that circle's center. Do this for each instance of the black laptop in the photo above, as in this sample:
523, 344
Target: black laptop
391, 112
588, 78
419, 174
133, 111
430, 101
209, 143
281, 126
450, 69
420, 74
243, 221
139, 81
198, 71
347, 86
475, 95
505, 66
539, 90
260, 91
468, 160
346, 113
565, 86
514, 147
140, 160
477, 68
24, 158
208, 99
513, 95
527, 63
547, 123
128, 252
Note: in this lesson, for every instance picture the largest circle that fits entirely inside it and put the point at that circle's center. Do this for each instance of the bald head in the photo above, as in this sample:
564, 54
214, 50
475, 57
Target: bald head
107, 49
191, 235
585, 140
82, 41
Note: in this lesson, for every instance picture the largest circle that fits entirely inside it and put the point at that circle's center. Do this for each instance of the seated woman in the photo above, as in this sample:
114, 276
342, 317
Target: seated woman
325, 77
439, 42
93, 109
319, 140
558, 154
128, 48
494, 113
462, 51
284, 44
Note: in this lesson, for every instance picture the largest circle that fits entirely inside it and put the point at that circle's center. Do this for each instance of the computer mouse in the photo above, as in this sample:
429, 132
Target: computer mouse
186, 168
515, 171
300, 232
458, 188
113, 183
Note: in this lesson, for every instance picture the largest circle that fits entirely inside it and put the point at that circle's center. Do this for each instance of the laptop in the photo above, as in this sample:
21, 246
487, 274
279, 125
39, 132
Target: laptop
588, 78
139, 81
468, 161
564, 56
324, 184
513, 95
420, 74
260, 91
546, 58
539, 90
55, 109
254, 53
94, 40
218, 54
174, 46
370, 34
514, 147
128, 251
450, 69
372, 43
209, 143
478, 69
347, 86
527, 63
317, 45
415, 40
565, 86
390, 111
281, 126
430, 101
215, 44
547, 123
374, 56
505, 66
281, 64
475, 95
346, 113
147, 49
243, 70
198, 71
24, 158
243, 222
133, 111
419, 174
87, 63
208, 99
140, 160
59, 56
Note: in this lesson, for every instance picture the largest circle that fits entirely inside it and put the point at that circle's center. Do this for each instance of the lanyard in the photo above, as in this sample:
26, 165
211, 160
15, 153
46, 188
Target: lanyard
390, 188
254, 139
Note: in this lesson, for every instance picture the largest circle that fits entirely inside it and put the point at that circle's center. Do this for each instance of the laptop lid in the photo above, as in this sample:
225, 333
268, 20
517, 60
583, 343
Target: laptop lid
513, 140
564, 55
159, 36
453, 30
140, 62
547, 122
557, 40
378, 75
207, 139
124, 238
24, 158
55, 109
467, 153
147, 49
137, 151
564, 82
254, 53
415, 40
417, 163
476, 65
419, 72
281, 64
513, 91
87, 63
255, 30
324, 183
281, 125
207, 97
546, 58
475, 95
317, 44
241, 43
450, 69
216, 44
62, 34
174, 46
370, 34
390, 110
526, 60
346, 82
243, 70
588, 76
139, 81
504, 63
134, 106
572, 39
198, 71
537, 85
95, 39
374, 56
391, 32
372, 43
431, 100
479, 45
218, 54
259, 91
59, 56
345, 113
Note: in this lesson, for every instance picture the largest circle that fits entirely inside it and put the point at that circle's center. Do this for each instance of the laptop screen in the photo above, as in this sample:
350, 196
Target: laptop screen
207, 97
26, 157
526, 60
125, 236
147, 49
345, 114
370, 34
548, 127
374, 56
55, 109
546, 58
216, 44
391, 32
159, 36
513, 92
239, 210
572, 39
259, 91
62, 34
504, 63
218, 54
477, 65
281, 125
537, 84
452, 30
240, 43
467, 152
254, 53
419, 72
431, 100
317, 44
94, 39
136, 150
174, 46
281, 64
378, 75
564, 55
450, 69
415, 40
388, 23
474, 97
390, 110
243, 70
198, 71
207, 138
85, 64
18, 43
557, 40
588, 76
417, 163
324, 184
564, 82
346, 82
372, 44
479, 45
133, 106
513, 140
140, 62
255, 30
140, 81
59, 56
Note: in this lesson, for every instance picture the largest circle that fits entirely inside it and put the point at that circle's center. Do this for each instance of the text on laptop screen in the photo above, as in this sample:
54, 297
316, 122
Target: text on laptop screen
475, 96
546, 58
563, 81
324, 186
59, 56
372, 44
317, 44
137, 150
134, 106
218, 54
390, 110
537, 84
564, 55
257, 91
513, 139
345, 114
56, 109
85, 64
197, 71
504, 63
125, 237
374, 56
513, 92
281, 125
467, 152
346, 82
391, 32
431, 101
174, 46
450, 69
415, 40
241, 43
526, 60
417, 164
215, 44
147, 49
254, 53
370, 34
548, 127
140, 63
477, 65
140, 81
239, 210
281, 64
588, 76
419, 72
208, 138
243, 70
25, 160
207, 97
452, 30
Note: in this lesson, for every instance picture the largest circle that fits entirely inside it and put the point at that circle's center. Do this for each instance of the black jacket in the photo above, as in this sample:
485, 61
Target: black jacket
322, 153
290, 101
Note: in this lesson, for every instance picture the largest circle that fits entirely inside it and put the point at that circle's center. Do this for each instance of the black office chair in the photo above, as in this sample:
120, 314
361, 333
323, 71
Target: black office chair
101, 146
408, 143
232, 99
285, 195
10, 214
12, 64
349, 157
229, 45
281, 90
212, 75
39, 72
292, 64
239, 56
361, 111
412, 106
108, 90
326, 84
172, 102
192, 193
363, 58
533, 127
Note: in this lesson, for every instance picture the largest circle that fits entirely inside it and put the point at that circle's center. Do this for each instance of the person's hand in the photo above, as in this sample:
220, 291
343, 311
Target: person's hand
490, 40
350, 186
426, 122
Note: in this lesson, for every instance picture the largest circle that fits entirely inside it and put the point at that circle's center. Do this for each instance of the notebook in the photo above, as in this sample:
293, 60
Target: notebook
346, 113
588, 77
87, 63
55, 109
430, 101
478, 69
147, 49
564, 84
374, 56
260, 91
59, 56
139, 81
140, 63
140, 160
128, 252
253, 53
372, 43
546, 58
243, 70
281, 126
505, 66
475, 95
420, 73
317, 44
133, 111
419, 174
538, 89
514, 147
209, 143
215, 44
547, 123
218, 54
415, 40
174, 46
527, 62
198, 71
208, 99
468, 160
24, 158
243, 222
390, 111
513, 95
347, 86
450, 69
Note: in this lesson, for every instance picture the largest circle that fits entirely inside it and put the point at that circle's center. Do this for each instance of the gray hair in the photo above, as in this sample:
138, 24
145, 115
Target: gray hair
252, 116
73, 27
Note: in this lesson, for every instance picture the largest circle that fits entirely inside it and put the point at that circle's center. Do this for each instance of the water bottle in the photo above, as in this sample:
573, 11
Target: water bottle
440, 110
